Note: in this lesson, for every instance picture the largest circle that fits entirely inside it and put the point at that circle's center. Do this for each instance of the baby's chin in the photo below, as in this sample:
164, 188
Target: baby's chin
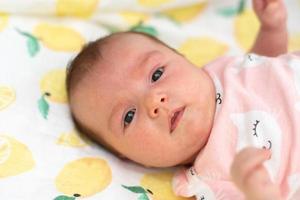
163, 163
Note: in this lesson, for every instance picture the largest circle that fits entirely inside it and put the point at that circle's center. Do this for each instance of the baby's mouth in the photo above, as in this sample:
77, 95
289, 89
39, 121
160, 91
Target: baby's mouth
175, 118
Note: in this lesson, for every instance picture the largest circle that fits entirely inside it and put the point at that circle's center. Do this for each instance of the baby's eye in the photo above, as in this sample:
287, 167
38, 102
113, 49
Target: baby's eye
157, 74
129, 117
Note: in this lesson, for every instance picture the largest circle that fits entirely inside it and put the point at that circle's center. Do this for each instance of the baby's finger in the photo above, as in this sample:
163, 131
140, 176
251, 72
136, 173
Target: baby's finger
246, 161
259, 178
259, 185
258, 5
272, 1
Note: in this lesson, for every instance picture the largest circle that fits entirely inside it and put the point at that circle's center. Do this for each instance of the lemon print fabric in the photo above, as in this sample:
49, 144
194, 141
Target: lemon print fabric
153, 3
15, 157
72, 139
160, 185
65, 197
134, 17
156, 186
7, 96
246, 27
77, 8
53, 85
294, 42
85, 177
53, 88
185, 14
3, 20
201, 50
32, 42
58, 37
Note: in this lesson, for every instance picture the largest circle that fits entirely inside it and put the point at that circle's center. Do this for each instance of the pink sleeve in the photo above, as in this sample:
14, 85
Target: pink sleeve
186, 183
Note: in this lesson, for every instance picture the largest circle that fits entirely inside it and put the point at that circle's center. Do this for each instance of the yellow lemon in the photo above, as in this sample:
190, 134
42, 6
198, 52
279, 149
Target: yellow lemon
5, 150
3, 20
160, 185
185, 14
59, 38
201, 50
53, 85
294, 42
73, 139
77, 8
246, 27
134, 17
15, 157
153, 3
7, 96
85, 176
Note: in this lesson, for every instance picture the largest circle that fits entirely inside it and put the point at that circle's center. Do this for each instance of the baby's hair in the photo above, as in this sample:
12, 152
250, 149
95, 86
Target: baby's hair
83, 63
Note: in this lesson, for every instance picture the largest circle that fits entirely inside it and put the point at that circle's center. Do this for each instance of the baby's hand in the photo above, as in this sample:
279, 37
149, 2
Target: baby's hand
251, 177
271, 13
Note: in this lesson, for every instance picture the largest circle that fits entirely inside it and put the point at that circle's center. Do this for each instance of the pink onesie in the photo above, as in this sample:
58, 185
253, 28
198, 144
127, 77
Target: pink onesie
257, 104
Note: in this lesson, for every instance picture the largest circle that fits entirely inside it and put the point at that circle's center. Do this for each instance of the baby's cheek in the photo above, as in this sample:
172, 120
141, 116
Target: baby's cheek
149, 142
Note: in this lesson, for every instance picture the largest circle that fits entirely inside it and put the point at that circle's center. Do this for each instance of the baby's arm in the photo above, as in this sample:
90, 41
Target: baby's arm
251, 177
272, 39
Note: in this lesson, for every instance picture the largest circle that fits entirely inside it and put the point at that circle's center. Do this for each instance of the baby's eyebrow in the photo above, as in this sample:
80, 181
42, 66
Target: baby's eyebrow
144, 59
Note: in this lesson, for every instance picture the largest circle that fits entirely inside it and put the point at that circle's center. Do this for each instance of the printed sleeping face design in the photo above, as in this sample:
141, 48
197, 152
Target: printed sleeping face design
259, 129
219, 92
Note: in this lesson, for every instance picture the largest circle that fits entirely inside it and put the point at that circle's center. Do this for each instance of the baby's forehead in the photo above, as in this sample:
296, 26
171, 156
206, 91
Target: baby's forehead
128, 42
131, 37
125, 49
122, 57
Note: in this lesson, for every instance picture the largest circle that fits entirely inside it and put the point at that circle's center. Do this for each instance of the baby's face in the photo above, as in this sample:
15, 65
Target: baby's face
147, 102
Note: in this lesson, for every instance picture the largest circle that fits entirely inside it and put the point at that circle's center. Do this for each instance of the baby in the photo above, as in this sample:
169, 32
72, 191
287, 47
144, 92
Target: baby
146, 102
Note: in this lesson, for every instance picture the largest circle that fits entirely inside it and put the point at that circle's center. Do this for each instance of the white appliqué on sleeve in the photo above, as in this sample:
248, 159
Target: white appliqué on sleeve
201, 190
248, 61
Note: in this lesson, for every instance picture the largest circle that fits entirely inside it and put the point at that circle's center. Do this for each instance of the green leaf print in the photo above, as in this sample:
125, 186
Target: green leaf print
241, 7
62, 197
227, 12
171, 19
232, 11
43, 106
32, 42
143, 197
111, 28
144, 29
135, 189
32, 46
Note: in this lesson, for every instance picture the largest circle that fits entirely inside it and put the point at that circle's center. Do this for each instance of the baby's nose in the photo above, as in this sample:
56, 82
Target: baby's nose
154, 104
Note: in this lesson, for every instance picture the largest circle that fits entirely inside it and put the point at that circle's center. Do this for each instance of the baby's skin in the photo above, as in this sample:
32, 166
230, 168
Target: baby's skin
163, 111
